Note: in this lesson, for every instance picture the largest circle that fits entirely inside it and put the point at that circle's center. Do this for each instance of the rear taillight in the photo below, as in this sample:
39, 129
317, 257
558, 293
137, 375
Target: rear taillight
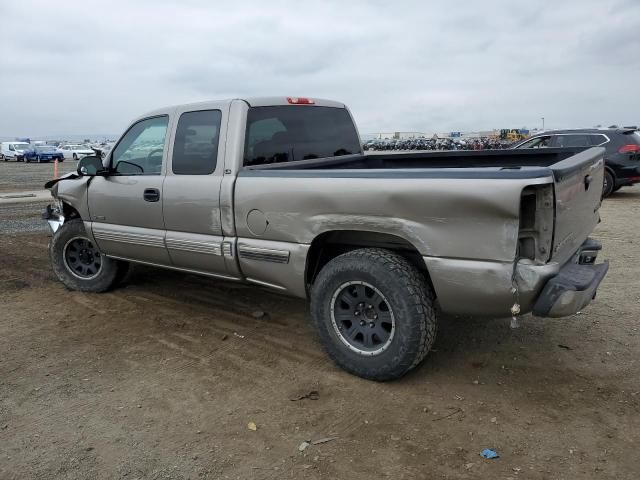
300, 101
629, 148
535, 233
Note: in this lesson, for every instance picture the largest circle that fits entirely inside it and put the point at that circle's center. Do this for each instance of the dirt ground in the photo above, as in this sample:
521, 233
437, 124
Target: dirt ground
161, 377
19, 176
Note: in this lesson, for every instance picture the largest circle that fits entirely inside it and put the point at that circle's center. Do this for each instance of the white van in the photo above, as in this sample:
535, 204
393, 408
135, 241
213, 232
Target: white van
13, 151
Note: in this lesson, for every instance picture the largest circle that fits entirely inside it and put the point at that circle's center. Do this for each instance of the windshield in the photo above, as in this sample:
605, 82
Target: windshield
80, 147
20, 146
45, 148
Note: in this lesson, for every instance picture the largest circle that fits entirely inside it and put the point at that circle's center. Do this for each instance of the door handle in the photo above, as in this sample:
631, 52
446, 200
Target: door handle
151, 195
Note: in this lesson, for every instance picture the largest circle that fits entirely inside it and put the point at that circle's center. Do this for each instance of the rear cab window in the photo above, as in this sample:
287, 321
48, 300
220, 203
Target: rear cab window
291, 132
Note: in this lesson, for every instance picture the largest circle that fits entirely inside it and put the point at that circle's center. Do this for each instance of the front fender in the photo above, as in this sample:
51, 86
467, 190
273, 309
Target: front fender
72, 190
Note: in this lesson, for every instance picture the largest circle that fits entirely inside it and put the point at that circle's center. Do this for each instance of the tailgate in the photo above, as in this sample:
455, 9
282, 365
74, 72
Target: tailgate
578, 192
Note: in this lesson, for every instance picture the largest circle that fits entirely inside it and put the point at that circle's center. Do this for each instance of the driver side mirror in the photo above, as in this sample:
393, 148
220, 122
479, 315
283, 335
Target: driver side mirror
90, 166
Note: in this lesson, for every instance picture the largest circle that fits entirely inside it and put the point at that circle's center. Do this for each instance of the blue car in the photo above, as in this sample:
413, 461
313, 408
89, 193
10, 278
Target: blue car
42, 153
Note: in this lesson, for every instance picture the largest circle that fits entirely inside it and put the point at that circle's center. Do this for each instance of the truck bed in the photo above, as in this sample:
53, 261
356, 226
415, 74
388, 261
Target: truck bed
500, 159
430, 178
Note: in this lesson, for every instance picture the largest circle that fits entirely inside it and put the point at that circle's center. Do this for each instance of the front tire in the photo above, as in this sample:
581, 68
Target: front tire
78, 263
374, 313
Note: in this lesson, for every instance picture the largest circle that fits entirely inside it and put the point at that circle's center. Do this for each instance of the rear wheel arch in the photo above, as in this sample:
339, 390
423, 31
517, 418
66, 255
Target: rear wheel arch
328, 245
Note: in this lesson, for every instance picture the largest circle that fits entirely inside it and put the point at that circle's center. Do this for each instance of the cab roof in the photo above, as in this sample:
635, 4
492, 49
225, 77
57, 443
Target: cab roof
250, 101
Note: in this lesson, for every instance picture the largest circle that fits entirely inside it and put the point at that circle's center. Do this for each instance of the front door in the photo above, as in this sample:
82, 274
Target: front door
191, 197
126, 206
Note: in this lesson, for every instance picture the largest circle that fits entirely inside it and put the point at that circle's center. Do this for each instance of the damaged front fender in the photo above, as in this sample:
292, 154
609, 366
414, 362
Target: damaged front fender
69, 200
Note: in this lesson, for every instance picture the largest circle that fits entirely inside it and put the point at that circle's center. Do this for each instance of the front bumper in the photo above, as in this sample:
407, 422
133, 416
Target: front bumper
575, 285
54, 217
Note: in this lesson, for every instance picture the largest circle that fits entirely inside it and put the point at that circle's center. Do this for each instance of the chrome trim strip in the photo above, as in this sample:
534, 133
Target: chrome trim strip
179, 269
193, 246
133, 238
263, 254
265, 284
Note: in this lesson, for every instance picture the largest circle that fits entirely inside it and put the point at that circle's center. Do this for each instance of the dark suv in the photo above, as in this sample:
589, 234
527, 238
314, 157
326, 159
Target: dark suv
622, 156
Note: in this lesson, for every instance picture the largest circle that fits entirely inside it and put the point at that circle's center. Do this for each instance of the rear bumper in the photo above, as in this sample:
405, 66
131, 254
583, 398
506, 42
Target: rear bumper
575, 285
627, 175
480, 288
571, 290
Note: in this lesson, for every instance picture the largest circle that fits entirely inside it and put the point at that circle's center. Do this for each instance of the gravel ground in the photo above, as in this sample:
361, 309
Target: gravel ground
20, 176
162, 377
22, 217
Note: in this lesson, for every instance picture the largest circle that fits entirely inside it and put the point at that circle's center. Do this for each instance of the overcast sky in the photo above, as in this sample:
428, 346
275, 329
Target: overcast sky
85, 67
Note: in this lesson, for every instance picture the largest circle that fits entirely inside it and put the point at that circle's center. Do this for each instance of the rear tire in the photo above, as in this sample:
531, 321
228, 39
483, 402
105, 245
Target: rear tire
608, 184
78, 263
374, 313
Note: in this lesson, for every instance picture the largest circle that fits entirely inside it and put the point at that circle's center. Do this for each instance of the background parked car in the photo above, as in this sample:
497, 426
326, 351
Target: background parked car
13, 151
42, 153
76, 151
622, 155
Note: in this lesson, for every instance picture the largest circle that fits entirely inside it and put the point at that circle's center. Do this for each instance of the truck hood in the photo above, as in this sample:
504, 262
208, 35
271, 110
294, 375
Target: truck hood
68, 176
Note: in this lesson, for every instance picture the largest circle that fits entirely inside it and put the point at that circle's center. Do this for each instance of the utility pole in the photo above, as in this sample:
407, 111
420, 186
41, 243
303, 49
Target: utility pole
542, 122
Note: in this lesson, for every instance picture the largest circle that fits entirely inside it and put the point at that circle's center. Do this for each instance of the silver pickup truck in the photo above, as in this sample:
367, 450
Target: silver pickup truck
277, 192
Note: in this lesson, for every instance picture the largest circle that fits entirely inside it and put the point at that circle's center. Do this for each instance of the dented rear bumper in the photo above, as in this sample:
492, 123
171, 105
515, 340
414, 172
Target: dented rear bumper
485, 288
575, 285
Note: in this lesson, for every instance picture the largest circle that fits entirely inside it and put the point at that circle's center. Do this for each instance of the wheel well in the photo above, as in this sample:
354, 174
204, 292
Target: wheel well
608, 169
329, 245
69, 212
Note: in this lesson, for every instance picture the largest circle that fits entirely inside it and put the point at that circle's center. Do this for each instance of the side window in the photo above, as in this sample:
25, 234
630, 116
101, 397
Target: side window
577, 141
537, 142
195, 150
141, 150
597, 140
11, 147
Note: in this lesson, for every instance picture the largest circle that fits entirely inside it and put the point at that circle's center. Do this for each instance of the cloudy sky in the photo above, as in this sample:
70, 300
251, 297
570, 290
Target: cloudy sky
88, 67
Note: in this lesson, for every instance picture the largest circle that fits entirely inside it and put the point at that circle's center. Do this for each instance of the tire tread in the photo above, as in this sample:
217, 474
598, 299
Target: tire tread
421, 302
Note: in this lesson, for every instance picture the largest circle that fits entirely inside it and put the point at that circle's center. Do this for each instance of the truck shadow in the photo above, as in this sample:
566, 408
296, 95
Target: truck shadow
464, 346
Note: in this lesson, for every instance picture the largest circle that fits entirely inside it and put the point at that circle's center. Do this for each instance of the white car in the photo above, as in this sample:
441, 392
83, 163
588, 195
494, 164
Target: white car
75, 151
13, 151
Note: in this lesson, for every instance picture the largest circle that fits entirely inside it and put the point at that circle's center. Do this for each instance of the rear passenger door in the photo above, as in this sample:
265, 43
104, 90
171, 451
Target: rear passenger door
191, 200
